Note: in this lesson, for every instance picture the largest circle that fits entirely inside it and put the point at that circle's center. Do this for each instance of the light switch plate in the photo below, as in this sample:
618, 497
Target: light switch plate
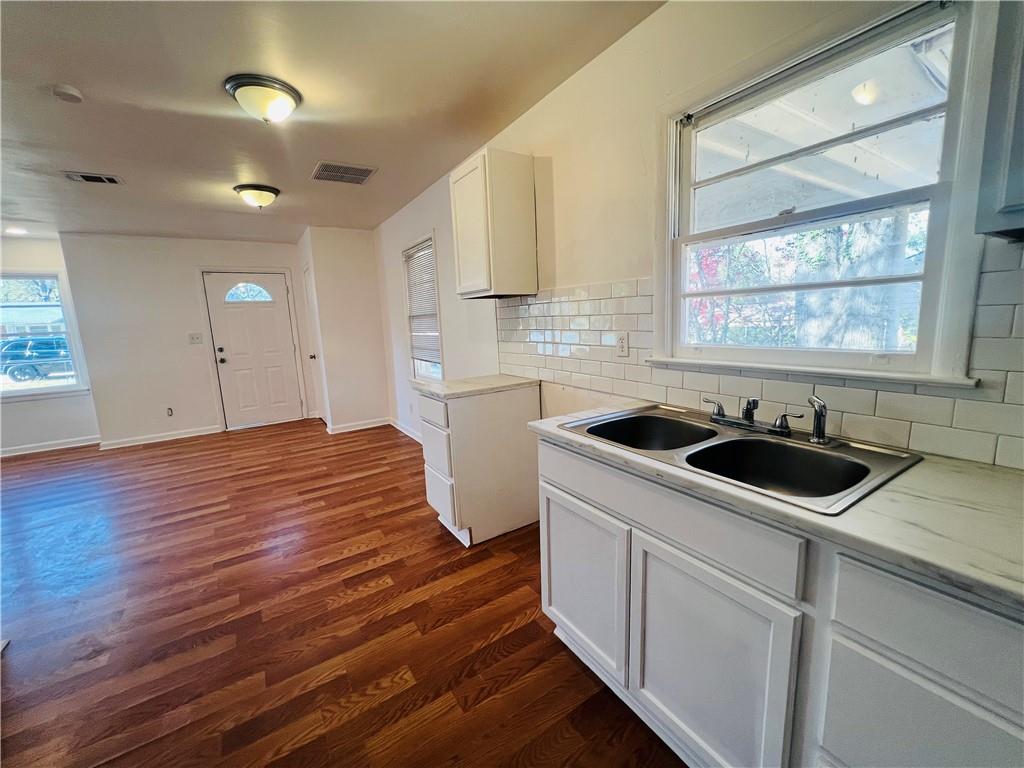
622, 345
195, 338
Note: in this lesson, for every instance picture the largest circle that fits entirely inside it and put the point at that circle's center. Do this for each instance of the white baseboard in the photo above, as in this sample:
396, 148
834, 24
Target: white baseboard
142, 439
402, 428
50, 445
337, 429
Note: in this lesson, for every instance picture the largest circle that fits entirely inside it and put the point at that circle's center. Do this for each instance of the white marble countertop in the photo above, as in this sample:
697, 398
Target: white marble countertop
956, 521
477, 385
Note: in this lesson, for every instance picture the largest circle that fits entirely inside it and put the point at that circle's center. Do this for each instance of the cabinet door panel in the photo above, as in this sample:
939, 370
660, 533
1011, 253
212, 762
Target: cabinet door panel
471, 226
585, 576
710, 657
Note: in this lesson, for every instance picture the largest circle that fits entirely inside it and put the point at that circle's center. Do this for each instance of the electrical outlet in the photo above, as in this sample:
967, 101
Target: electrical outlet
622, 345
195, 338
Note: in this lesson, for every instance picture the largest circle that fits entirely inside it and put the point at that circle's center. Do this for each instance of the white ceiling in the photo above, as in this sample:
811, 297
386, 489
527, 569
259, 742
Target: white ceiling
411, 88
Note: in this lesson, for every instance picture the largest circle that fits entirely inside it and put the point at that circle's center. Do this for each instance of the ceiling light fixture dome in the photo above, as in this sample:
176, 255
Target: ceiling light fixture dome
265, 98
16, 231
865, 93
257, 195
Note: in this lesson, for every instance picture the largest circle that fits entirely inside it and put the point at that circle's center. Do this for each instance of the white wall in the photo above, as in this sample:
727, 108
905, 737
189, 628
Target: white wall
469, 343
348, 302
44, 422
137, 299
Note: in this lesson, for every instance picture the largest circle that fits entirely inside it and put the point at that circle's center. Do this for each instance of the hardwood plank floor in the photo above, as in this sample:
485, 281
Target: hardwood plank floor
279, 596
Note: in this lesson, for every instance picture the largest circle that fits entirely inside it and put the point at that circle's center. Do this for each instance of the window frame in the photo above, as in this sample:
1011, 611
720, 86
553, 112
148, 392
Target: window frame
953, 256
81, 385
418, 244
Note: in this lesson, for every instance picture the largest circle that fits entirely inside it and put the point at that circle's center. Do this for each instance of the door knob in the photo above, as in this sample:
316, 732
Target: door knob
220, 349
222, 360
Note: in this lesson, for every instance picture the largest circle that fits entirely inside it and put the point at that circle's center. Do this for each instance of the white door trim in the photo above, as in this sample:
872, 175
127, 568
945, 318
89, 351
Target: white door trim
286, 272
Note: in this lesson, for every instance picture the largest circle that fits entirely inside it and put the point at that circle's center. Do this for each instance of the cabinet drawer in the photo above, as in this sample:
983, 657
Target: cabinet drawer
968, 645
771, 557
440, 494
878, 713
434, 411
437, 449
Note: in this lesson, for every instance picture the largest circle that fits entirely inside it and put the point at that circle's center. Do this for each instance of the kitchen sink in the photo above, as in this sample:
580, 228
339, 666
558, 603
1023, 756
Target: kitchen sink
827, 479
780, 467
651, 433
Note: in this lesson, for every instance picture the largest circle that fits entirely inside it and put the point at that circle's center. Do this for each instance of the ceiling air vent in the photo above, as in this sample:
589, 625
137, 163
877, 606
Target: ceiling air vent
93, 178
343, 172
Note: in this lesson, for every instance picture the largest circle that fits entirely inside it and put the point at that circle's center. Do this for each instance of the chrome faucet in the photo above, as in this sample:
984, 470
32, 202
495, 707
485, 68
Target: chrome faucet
746, 420
818, 435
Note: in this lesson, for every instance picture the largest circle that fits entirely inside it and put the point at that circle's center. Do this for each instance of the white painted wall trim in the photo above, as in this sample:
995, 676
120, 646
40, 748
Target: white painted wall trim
50, 445
160, 437
337, 429
407, 430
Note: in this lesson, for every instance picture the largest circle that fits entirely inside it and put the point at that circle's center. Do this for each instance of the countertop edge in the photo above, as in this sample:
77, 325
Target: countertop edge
431, 390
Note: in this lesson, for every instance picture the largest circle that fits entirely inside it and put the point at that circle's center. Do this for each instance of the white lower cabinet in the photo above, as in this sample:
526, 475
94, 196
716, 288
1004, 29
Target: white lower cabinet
710, 657
585, 564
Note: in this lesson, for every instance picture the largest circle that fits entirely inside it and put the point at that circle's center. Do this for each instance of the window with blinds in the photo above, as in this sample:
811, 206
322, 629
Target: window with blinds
424, 326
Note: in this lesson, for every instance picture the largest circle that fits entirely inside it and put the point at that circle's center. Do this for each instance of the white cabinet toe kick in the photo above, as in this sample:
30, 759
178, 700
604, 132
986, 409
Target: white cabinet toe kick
746, 644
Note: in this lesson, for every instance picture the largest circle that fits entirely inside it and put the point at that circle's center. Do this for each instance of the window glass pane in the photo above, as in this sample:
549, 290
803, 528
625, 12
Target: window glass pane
424, 369
34, 351
248, 292
877, 318
898, 159
879, 244
886, 85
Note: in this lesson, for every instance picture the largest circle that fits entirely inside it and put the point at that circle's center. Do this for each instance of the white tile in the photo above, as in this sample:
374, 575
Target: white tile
1010, 452
601, 384
599, 290
683, 398
645, 322
613, 306
545, 374
625, 388
1001, 287
640, 305
1000, 418
600, 322
604, 354
991, 386
667, 377
1015, 388
581, 380
563, 377
613, 370
641, 373
571, 364
644, 339
651, 392
554, 363
930, 410
993, 322
591, 367
787, 391
998, 354
624, 322
847, 399
958, 443
876, 430
704, 382
645, 286
624, 288
741, 386
580, 323
1001, 255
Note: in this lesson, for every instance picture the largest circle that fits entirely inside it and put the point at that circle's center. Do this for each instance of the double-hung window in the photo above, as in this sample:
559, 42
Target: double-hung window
36, 349
812, 209
424, 323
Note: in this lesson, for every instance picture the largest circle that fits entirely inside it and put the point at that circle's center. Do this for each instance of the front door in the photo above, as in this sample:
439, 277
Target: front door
253, 347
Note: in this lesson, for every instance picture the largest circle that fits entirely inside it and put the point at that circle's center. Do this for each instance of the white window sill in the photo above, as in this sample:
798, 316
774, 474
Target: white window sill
44, 394
966, 382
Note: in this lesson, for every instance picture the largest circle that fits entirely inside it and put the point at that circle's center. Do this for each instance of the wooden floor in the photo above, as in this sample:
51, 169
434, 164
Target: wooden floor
279, 596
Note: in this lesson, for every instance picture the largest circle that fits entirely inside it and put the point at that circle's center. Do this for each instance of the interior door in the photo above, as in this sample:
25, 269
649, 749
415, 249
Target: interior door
254, 347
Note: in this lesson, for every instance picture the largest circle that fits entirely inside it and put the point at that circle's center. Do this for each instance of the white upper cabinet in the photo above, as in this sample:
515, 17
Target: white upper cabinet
495, 225
1001, 201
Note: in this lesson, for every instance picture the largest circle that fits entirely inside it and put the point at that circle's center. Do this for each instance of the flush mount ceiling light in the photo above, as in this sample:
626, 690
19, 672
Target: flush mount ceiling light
265, 98
866, 93
257, 195
16, 231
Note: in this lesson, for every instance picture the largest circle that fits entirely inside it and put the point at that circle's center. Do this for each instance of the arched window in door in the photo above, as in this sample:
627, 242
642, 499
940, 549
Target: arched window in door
248, 292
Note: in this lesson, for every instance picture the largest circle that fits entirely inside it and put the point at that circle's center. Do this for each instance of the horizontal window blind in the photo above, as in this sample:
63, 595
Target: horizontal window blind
421, 282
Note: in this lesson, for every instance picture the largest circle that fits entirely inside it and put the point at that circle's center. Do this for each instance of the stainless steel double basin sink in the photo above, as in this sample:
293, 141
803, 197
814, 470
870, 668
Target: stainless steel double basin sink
825, 479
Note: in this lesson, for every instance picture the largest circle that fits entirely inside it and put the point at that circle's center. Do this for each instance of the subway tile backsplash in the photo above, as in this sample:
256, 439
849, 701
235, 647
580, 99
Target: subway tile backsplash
568, 335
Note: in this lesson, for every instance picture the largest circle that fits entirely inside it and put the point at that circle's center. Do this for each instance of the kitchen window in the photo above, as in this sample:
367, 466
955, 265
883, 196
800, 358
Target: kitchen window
37, 350
812, 213
424, 324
